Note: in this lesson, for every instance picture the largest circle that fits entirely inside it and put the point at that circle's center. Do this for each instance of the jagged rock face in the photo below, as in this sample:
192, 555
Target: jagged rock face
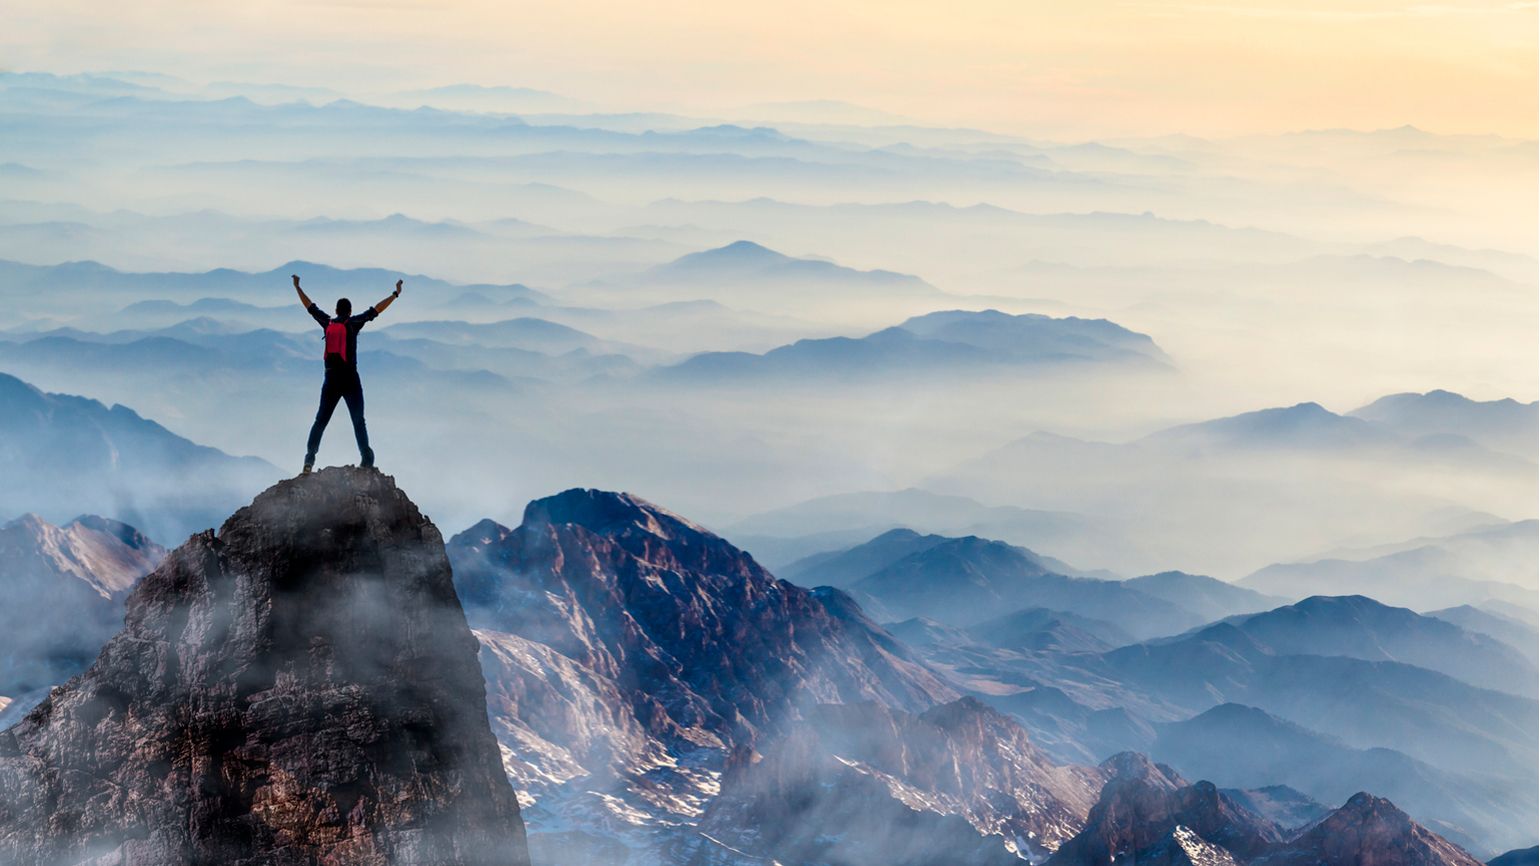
1368, 831
628, 652
866, 784
1147, 814
1141, 806
805, 806
704, 643
1183, 847
300, 689
61, 596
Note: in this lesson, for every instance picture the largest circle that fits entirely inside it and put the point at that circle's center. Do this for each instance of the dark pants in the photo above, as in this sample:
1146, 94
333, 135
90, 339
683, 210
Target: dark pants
340, 384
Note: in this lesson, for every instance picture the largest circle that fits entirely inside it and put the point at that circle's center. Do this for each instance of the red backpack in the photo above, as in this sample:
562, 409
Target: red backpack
336, 341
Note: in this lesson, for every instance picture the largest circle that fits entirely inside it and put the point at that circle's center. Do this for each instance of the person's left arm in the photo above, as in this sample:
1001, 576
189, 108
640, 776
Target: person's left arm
380, 307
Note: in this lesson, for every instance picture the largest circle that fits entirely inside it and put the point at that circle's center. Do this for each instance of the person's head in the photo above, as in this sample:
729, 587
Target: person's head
344, 308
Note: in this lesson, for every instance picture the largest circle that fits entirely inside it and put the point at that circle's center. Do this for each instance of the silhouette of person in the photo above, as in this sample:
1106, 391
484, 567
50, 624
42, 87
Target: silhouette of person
341, 359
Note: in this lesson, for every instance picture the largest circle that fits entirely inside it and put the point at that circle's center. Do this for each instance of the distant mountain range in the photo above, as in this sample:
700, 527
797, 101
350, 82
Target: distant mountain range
1246, 747
66, 289
747, 276
526, 332
1360, 627
1503, 425
1439, 719
1038, 629
1318, 671
1279, 483
828, 524
1206, 596
200, 348
67, 455
1309, 427
936, 344
1489, 563
965, 581
1515, 633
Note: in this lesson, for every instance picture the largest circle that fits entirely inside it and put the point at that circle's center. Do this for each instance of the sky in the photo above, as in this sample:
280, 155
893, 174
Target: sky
1091, 68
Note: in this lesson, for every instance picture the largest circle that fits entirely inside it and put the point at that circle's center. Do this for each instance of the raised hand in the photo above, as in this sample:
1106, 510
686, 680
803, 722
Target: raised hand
295, 278
398, 286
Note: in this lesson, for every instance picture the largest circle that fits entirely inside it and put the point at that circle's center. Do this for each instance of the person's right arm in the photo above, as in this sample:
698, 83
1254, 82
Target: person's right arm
310, 307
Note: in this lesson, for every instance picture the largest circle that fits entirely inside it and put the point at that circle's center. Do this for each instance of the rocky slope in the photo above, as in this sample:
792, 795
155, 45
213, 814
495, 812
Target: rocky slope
300, 688
630, 652
864, 784
1148, 813
1368, 831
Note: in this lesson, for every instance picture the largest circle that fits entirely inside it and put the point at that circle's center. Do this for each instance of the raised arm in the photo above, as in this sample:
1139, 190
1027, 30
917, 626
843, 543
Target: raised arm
380, 307
304, 299
310, 307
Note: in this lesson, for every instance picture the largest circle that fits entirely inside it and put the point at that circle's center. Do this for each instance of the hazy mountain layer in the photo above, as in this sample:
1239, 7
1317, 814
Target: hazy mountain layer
66, 455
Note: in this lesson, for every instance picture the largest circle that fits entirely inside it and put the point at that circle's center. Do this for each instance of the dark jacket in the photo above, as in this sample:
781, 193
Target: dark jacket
354, 323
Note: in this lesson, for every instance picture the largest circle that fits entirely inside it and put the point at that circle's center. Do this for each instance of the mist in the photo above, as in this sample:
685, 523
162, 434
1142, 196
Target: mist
1286, 365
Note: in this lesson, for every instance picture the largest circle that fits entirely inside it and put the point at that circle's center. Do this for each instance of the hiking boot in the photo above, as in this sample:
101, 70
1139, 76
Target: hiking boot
368, 461
306, 470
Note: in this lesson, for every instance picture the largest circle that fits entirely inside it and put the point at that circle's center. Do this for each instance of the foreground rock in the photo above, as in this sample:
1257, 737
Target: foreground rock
301, 688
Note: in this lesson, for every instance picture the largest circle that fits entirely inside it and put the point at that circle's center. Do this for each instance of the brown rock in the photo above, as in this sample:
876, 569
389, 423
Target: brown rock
1369, 831
299, 689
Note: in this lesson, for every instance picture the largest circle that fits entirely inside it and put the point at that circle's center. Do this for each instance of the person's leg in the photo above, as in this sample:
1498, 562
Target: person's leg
330, 394
355, 397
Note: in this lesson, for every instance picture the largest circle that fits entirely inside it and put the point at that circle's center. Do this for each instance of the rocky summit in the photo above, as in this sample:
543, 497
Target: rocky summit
1369, 831
299, 688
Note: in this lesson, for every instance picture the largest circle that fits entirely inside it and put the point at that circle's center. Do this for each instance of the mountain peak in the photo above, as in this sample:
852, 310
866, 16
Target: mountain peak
737, 252
1137, 766
485, 531
1370, 829
1143, 804
29, 523
608, 513
310, 665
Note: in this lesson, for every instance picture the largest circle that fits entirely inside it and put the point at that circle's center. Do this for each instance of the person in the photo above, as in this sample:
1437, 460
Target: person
341, 359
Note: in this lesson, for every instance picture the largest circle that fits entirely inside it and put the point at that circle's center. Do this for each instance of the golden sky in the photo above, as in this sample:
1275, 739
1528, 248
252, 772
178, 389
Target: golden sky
1073, 68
